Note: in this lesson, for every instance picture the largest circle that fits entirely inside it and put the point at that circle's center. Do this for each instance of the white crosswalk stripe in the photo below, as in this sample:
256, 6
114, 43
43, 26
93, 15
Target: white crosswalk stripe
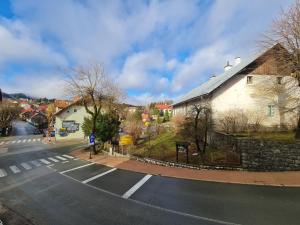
68, 156
13, 142
7, 142
135, 187
61, 158
1, 143
53, 160
3, 173
35, 163
19, 141
33, 140
14, 169
29, 140
38, 139
24, 140
99, 175
45, 161
26, 166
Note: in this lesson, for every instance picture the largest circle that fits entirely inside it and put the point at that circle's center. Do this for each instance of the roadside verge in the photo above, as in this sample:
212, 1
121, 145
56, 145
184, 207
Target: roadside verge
289, 178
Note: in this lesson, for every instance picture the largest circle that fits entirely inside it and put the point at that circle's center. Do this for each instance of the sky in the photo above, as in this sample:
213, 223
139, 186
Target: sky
155, 50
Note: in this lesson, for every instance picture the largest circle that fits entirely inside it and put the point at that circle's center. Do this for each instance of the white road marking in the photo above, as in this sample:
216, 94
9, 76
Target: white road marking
65, 161
7, 142
45, 161
26, 166
78, 167
15, 169
35, 163
61, 158
68, 156
99, 175
13, 142
38, 139
76, 159
18, 141
136, 186
1, 143
24, 140
53, 160
3, 173
33, 140
29, 140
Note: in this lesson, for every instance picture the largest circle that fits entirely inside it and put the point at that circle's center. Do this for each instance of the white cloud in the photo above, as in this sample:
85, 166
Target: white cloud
146, 98
103, 30
17, 44
138, 70
37, 85
192, 71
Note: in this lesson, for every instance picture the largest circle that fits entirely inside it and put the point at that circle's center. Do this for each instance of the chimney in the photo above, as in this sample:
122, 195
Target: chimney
227, 66
237, 60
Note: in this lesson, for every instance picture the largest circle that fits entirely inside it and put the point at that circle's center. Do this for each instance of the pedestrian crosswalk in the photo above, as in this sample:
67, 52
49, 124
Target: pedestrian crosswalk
26, 166
20, 141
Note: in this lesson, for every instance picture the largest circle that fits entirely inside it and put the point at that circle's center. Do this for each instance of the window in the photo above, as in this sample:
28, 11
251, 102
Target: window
75, 110
279, 80
271, 111
249, 79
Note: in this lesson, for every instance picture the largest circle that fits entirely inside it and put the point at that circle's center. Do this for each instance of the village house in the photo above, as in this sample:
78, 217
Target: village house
61, 104
69, 120
237, 89
163, 108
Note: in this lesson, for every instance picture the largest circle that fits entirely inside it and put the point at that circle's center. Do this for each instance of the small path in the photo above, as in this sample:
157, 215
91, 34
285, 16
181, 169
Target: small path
290, 178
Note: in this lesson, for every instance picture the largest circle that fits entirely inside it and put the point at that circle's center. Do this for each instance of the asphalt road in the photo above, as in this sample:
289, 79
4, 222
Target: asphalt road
23, 128
62, 190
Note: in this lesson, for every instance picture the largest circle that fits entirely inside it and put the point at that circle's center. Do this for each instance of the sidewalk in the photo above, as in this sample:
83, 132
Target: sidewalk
290, 178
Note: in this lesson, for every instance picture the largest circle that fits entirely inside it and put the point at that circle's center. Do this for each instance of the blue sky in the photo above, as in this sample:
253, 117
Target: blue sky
156, 50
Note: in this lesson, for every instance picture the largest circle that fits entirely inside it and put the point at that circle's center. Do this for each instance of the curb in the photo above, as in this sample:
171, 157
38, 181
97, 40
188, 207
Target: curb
183, 165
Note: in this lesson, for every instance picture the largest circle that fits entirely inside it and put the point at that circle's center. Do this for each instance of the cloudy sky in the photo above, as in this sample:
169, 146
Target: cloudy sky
155, 49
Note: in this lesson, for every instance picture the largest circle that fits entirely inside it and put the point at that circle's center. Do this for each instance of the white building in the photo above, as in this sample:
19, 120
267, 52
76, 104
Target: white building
239, 89
68, 122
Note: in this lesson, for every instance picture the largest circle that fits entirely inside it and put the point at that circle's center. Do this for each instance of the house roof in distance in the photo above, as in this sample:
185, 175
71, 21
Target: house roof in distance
215, 82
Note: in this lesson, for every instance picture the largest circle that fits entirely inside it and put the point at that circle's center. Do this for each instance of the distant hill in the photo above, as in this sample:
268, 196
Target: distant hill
16, 95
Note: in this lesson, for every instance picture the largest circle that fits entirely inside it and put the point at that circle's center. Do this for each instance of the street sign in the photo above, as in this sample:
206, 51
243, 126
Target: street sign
182, 146
126, 140
92, 139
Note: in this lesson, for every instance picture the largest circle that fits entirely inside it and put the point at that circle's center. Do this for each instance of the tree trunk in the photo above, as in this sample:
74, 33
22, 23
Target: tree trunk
94, 131
297, 135
205, 133
197, 141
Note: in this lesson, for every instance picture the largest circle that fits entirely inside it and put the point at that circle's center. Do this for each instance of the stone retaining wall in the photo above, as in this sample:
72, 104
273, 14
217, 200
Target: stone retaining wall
183, 165
262, 155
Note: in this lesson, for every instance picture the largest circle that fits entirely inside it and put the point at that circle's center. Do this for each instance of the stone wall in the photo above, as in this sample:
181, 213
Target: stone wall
262, 155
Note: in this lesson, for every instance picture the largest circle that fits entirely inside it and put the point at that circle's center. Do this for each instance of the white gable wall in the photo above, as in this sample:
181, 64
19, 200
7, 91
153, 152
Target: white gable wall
71, 115
237, 95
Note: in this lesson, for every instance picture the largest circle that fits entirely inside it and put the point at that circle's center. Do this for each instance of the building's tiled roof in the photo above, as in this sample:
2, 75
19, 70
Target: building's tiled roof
163, 106
61, 104
215, 82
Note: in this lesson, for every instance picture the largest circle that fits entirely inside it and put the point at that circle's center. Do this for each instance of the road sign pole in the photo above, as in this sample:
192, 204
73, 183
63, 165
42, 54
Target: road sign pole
90, 152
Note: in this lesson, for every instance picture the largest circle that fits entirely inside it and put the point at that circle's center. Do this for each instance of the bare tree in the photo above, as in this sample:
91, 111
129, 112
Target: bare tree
285, 30
95, 89
8, 113
133, 126
50, 114
197, 125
